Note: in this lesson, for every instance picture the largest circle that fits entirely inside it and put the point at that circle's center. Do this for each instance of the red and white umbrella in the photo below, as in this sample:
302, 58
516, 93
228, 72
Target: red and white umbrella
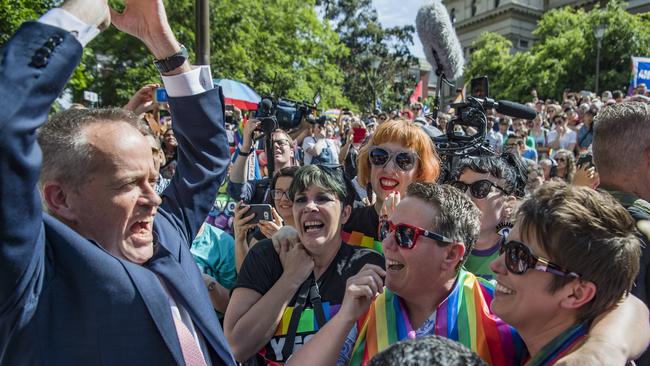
238, 94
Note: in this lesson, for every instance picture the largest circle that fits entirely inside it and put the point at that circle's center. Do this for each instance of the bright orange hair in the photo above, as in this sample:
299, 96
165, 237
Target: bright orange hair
409, 135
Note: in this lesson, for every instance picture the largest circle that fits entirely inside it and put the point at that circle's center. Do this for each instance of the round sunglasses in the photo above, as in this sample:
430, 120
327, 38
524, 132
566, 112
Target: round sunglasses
479, 189
520, 259
404, 160
407, 236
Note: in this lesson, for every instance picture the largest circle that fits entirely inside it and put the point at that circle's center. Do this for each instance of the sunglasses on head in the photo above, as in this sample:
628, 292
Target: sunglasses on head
479, 189
519, 259
404, 160
407, 235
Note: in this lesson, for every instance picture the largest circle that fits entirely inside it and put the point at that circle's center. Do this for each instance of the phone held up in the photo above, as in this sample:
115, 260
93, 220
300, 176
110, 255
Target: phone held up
262, 212
585, 160
161, 96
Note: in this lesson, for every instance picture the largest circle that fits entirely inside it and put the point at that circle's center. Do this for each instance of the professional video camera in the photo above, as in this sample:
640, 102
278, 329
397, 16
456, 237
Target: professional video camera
285, 114
471, 113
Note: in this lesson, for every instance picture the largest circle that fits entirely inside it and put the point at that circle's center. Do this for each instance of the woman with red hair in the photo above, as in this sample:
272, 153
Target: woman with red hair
398, 153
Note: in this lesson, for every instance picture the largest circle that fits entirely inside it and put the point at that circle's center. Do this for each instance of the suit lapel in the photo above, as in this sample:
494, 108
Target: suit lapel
185, 292
157, 304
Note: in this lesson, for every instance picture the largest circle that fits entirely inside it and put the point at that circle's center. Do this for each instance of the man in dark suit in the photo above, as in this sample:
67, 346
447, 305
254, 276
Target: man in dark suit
105, 275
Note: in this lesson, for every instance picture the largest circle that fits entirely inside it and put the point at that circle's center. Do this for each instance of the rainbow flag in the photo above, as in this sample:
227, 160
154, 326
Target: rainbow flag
463, 316
362, 240
560, 346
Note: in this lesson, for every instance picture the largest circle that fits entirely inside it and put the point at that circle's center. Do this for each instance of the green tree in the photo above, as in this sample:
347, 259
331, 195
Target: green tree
358, 27
564, 55
278, 47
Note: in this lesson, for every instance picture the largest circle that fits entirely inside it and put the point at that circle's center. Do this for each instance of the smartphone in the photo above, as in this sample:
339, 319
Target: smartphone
358, 134
161, 96
587, 158
262, 212
480, 87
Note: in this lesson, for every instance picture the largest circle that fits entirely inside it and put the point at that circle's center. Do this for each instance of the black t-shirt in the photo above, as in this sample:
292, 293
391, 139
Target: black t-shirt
262, 268
361, 228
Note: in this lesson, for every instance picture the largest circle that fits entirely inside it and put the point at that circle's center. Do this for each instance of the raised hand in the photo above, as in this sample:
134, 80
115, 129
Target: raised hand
297, 264
143, 100
147, 21
287, 235
360, 290
268, 228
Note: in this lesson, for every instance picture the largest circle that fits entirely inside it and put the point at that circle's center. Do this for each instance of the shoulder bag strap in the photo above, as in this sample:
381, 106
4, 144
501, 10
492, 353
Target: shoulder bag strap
299, 306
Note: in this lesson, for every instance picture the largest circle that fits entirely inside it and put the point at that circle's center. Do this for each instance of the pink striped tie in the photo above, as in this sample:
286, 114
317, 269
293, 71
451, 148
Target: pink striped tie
191, 352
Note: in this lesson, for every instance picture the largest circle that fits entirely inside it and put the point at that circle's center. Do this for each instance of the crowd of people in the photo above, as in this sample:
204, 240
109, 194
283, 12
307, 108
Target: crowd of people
130, 236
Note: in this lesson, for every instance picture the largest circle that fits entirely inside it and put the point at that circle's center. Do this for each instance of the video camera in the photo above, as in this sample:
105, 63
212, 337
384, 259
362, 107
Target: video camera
471, 113
285, 114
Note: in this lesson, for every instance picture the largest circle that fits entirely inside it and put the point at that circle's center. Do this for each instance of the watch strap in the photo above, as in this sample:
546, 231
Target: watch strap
172, 62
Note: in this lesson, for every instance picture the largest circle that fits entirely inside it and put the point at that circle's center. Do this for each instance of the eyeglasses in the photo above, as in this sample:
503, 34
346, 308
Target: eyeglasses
277, 194
407, 235
404, 160
479, 189
281, 142
519, 259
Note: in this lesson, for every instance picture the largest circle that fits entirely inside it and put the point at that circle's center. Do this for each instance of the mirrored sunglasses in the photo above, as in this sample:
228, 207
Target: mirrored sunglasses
404, 160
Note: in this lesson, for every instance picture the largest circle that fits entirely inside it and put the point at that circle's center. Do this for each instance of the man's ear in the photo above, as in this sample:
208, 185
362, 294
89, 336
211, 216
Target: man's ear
345, 214
57, 198
578, 294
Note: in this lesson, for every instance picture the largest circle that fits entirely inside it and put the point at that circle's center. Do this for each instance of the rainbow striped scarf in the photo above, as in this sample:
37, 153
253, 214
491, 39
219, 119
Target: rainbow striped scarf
560, 346
463, 316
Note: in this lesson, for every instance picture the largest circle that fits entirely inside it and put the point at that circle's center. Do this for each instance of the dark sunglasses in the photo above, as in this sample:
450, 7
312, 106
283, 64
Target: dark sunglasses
407, 235
404, 160
519, 259
479, 189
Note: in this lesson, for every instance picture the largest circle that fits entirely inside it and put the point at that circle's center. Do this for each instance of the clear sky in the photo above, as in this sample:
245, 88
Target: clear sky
401, 12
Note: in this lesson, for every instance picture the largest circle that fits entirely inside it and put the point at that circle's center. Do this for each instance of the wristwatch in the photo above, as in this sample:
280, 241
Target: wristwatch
212, 286
172, 62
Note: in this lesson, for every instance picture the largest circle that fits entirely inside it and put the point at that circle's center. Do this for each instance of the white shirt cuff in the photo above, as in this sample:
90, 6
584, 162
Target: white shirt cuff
197, 81
63, 19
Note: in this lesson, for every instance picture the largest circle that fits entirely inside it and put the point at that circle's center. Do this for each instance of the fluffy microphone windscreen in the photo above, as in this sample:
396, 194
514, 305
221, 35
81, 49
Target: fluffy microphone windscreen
438, 36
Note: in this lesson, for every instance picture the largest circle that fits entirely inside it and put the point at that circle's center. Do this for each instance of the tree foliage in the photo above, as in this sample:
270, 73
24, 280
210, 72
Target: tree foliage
358, 27
279, 47
564, 55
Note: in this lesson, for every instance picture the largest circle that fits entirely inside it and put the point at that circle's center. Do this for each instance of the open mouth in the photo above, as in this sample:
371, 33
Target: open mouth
312, 226
393, 265
142, 228
388, 184
501, 289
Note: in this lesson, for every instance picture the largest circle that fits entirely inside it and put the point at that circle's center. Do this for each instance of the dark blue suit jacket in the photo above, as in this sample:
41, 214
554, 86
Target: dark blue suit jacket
64, 300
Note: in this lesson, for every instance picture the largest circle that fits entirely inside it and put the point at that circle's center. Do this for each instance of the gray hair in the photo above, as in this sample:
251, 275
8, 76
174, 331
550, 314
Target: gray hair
621, 132
67, 156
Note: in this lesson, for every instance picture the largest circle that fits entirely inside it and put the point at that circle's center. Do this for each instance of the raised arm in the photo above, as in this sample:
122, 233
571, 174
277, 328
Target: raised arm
615, 337
325, 346
35, 65
197, 114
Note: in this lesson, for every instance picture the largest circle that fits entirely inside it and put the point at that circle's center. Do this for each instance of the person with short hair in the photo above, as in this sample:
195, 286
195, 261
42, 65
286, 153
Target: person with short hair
428, 292
494, 183
256, 190
273, 308
431, 351
571, 256
96, 267
620, 148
